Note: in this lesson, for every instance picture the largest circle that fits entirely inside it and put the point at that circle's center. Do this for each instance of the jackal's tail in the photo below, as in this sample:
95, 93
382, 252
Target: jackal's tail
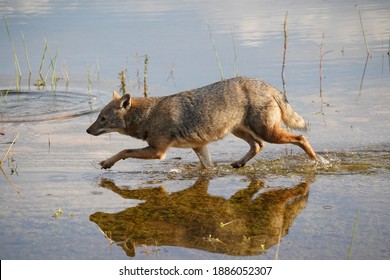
291, 118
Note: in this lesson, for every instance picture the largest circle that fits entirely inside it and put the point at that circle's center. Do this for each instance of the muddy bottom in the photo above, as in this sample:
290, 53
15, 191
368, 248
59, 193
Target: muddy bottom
56, 203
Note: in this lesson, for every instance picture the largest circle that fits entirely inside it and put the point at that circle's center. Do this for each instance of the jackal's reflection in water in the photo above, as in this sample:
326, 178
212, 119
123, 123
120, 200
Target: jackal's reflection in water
248, 223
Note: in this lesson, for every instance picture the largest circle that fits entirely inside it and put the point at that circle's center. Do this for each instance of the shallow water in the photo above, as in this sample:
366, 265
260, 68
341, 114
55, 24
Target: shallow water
55, 202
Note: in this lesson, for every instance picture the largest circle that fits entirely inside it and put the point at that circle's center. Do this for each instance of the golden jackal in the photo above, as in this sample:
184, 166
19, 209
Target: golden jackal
248, 108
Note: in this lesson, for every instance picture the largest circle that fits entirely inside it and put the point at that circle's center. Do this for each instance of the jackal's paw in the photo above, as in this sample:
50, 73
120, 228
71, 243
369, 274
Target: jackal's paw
106, 164
238, 164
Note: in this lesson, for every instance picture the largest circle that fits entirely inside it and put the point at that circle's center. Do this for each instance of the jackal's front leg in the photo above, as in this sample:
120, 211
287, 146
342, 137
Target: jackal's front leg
204, 156
144, 153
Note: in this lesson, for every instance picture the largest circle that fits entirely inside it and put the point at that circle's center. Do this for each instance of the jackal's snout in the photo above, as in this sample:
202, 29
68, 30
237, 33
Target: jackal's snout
89, 130
92, 130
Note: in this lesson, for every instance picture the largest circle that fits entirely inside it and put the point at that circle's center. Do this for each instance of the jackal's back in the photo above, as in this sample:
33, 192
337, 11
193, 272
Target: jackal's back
209, 113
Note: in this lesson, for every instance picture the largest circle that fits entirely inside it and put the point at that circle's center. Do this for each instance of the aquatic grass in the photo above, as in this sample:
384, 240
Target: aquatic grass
4, 93
90, 73
364, 34
322, 54
363, 75
215, 52
146, 68
66, 75
137, 70
27, 59
98, 69
53, 64
284, 54
42, 81
235, 71
122, 78
18, 72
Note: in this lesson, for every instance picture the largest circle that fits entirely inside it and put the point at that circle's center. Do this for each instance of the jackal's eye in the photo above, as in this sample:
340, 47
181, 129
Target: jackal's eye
103, 119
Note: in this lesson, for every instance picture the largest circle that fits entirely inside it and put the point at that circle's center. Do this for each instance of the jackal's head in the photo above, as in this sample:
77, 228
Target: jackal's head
112, 117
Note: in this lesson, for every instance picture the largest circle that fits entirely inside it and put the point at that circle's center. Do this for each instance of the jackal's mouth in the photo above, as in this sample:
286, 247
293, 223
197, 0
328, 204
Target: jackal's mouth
95, 133
99, 131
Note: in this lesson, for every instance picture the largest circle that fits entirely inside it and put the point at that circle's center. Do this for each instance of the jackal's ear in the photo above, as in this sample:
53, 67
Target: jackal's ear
125, 102
115, 96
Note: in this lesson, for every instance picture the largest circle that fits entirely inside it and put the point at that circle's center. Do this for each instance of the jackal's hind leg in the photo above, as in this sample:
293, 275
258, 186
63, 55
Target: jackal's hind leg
204, 156
255, 144
280, 136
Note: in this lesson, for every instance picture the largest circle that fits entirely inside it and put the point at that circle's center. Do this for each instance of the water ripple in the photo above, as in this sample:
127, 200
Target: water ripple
45, 106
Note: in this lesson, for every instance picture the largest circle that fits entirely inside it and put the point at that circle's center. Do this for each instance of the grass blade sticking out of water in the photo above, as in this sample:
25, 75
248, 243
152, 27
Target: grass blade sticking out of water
353, 234
4, 94
122, 78
322, 54
54, 77
146, 68
90, 73
98, 69
16, 61
42, 81
284, 54
28, 61
137, 71
364, 34
52, 66
66, 75
235, 71
215, 52
364, 73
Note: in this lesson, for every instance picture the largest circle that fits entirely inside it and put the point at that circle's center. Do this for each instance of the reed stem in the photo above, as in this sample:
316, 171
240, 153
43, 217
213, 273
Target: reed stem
28, 60
18, 72
215, 52
284, 53
364, 34
122, 78
235, 71
146, 68
42, 81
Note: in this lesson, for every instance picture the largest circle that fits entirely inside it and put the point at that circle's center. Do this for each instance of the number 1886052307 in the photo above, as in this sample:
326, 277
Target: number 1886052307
242, 270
